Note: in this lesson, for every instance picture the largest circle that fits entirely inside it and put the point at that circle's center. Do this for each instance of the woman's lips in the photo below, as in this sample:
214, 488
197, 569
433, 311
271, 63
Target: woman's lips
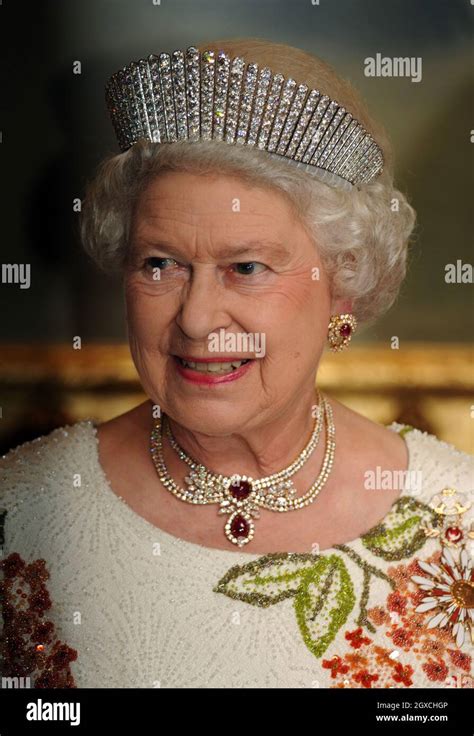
211, 379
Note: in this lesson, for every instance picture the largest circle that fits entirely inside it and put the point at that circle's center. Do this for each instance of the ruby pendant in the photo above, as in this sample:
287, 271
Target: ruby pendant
238, 503
239, 528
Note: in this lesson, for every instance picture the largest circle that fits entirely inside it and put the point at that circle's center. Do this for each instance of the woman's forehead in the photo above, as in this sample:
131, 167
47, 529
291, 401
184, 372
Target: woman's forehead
226, 215
228, 236
210, 195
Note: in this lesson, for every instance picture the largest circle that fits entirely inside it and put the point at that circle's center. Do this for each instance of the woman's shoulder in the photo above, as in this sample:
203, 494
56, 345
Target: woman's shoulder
432, 463
427, 446
46, 460
435, 464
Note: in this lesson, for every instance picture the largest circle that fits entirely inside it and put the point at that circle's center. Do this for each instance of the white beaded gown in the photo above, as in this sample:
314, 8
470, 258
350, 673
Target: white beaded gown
96, 596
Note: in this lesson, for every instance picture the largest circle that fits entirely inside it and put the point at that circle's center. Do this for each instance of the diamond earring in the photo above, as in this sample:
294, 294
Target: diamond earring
340, 329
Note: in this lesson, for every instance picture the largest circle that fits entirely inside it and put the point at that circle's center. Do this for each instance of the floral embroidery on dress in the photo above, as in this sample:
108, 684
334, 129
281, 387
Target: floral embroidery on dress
29, 646
321, 585
449, 594
406, 631
402, 532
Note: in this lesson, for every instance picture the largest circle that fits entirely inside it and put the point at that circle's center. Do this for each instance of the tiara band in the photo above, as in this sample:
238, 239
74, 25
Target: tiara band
192, 95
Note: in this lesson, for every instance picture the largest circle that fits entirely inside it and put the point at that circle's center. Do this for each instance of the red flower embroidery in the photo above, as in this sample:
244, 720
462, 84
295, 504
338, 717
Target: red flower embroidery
434, 647
382, 657
356, 639
396, 602
436, 670
379, 616
403, 674
415, 623
417, 597
402, 574
401, 638
30, 647
460, 659
355, 660
336, 666
365, 678
439, 662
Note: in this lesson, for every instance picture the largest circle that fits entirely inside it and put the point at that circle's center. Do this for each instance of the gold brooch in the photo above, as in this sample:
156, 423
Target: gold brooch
449, 585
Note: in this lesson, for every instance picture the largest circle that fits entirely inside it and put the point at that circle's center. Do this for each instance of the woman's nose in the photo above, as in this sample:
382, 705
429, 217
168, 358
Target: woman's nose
202, 305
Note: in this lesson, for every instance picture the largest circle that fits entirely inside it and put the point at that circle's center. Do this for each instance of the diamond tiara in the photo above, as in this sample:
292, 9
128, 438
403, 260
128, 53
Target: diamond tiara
193, 95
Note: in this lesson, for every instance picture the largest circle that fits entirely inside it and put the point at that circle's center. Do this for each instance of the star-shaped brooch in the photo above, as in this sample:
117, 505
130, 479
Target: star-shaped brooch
449, 585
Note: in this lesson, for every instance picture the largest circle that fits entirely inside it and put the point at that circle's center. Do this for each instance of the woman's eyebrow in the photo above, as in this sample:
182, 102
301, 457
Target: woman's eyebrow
269, 248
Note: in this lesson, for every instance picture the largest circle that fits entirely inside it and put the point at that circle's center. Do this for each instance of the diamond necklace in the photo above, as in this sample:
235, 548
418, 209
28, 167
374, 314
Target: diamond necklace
279, 485
240, 496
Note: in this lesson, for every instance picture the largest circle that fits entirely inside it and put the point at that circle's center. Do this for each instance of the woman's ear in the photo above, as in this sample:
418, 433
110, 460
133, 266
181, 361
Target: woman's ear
341, 306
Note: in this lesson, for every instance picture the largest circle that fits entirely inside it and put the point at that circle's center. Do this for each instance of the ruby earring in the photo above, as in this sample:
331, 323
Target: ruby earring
340, 330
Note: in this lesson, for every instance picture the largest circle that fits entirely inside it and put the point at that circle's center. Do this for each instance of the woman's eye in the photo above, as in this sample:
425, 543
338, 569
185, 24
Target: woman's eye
155, 264
249, 268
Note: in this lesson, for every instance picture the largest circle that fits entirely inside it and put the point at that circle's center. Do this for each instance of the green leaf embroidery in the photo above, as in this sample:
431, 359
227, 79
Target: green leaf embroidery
321, 586
268, 580
324, 602
369, 571
401, 534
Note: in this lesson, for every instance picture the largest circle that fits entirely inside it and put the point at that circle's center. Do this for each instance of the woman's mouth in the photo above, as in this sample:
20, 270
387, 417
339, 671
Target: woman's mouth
213, 367
212, 370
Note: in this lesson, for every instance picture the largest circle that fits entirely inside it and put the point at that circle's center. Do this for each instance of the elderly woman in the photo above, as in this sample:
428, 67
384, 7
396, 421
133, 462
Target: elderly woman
240, 528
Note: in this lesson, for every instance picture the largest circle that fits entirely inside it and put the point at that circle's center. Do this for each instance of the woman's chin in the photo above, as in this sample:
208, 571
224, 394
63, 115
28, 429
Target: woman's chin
211, 417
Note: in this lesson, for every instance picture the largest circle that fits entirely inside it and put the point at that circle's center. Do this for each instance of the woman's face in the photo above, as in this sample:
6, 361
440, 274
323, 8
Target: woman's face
221, 269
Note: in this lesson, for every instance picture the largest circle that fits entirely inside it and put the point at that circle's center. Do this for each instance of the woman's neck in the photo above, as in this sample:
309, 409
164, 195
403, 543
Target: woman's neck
259, 451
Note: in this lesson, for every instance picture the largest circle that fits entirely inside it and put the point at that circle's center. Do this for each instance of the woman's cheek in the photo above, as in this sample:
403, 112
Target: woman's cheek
142, 310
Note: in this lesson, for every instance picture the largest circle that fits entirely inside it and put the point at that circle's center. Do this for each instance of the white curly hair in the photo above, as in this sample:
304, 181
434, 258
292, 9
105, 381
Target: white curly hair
362, 234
